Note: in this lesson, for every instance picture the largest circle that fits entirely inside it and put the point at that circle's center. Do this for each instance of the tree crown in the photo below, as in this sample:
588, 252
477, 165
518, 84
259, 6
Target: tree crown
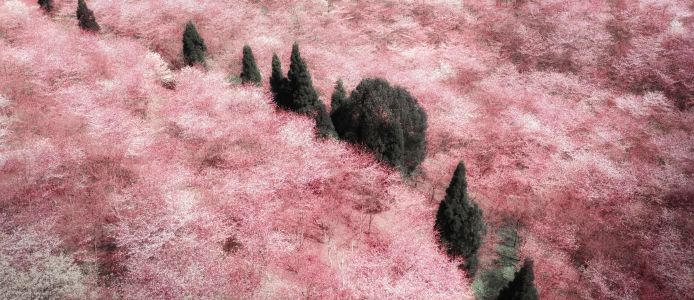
193, 45
86, 18
250, 72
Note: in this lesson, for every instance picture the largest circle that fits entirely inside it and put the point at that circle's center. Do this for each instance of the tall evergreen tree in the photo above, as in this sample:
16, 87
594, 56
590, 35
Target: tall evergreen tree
460, 223
339, 97
250, 72
46, 5
523, 286
86, 18
279, 84
304, 98
193, 45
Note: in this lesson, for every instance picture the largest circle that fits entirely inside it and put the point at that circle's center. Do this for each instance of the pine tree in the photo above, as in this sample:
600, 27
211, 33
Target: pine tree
460, 223
304, 98
46, 5
385, 119
250, 72
339, 97
193, 45
522, 287
279, 84
86, 18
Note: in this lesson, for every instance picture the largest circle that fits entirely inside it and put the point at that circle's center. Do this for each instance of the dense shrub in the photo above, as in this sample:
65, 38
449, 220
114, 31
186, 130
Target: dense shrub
459, 222
387, 120
193, 45
250, 72
86, 18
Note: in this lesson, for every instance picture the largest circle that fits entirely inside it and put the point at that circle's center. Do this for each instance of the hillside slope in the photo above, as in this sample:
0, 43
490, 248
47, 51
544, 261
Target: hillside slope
571, 118
204, 191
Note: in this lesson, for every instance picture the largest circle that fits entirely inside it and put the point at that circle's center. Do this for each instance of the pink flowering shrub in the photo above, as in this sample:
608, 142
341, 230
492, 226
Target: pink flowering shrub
124, 174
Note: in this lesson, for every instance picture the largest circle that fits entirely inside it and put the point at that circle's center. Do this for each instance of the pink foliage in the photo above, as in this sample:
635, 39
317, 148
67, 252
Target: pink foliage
563, 112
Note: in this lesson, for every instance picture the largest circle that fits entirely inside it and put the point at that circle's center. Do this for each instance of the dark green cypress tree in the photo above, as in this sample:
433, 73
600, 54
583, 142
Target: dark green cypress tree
304, 98
523, 286
279, 84
339, 97
193, 45
460, 223
86, 18
324, 125
46, 5
250, 72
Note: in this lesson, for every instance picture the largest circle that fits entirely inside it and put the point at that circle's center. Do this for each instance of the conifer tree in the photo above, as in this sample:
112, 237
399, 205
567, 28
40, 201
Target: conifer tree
86, 18
523, 286
339, 97
304, 98
279, 84
250, 72
46, 5
460, 223
323, 123
193, 45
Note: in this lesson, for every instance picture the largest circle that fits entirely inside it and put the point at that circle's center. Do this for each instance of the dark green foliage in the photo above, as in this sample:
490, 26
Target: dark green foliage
193, 45
86, 18
279, 85
250, 72
460, 223
522, 287
323, 123
387, 120
46, 5
339, 97
304, 98
296, 93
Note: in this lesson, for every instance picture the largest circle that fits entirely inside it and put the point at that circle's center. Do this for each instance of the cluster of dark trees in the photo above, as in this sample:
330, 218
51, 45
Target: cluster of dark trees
295, 92
385, 119
389, 122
